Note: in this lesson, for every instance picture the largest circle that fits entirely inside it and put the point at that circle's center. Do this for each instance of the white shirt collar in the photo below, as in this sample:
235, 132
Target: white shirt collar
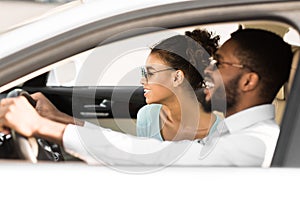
249, 117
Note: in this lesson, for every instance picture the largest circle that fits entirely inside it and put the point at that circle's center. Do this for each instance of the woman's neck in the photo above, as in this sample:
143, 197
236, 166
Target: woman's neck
186, 121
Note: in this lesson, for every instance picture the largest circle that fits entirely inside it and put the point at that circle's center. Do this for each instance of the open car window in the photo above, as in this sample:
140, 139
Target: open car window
119, 63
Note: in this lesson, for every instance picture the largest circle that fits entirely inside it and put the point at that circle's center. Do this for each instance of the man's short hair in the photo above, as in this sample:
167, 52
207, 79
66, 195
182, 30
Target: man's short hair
266, 54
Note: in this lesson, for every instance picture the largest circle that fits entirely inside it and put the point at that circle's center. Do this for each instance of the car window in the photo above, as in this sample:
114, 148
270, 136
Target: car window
118, 63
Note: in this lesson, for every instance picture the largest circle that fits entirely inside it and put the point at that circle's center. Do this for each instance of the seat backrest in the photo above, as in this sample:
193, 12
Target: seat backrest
282, 95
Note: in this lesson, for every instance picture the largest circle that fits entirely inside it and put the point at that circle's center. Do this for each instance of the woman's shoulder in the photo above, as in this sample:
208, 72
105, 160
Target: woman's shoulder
219, 116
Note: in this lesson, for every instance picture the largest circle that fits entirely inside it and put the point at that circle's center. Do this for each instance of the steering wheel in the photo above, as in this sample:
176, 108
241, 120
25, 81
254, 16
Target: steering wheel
30, 148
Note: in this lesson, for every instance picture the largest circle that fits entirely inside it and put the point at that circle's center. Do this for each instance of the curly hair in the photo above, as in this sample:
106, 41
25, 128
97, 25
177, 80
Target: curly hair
205, 39
189, 53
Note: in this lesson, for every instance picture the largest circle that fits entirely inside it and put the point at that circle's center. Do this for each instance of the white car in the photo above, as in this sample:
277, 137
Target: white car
85, 57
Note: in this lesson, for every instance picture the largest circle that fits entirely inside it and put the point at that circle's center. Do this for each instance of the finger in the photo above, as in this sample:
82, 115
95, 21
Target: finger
5, 103
37, 95
3, 128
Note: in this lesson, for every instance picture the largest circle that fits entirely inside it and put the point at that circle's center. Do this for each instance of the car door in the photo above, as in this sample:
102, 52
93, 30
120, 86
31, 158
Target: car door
120, 100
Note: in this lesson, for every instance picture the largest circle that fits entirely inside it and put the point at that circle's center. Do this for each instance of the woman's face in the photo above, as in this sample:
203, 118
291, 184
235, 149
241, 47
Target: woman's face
158, 85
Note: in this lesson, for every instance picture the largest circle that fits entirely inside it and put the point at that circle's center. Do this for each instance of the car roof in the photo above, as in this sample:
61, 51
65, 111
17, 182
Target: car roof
15, 12
67, 17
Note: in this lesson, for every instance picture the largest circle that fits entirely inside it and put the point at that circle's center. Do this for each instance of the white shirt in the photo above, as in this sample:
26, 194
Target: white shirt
247, 138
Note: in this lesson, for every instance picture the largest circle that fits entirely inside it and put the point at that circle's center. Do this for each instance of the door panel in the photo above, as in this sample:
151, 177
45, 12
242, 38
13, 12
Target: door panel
111, 107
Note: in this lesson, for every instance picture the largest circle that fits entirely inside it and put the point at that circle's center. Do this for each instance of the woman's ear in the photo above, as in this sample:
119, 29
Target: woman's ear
249, 81
178, 78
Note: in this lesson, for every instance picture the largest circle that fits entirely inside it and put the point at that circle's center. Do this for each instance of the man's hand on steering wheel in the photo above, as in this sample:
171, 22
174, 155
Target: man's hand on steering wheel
17, 113
19, 118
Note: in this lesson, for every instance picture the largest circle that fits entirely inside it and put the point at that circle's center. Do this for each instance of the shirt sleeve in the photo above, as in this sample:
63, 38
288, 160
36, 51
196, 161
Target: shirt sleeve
104, 146
89, 125
98, 146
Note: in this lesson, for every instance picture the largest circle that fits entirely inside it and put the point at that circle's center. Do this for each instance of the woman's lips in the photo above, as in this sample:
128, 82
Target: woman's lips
208, 88
208, 84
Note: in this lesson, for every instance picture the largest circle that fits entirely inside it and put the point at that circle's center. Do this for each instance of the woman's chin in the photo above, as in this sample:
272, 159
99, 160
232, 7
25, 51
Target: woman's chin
148, 101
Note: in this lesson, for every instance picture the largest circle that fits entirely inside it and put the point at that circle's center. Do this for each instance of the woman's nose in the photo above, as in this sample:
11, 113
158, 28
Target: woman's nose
208, 70
143, 81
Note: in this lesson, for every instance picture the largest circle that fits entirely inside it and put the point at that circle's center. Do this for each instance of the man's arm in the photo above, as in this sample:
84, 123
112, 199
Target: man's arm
104, 146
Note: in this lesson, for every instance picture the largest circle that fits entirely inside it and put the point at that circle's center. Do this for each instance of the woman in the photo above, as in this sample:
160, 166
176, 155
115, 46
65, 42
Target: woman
170, 78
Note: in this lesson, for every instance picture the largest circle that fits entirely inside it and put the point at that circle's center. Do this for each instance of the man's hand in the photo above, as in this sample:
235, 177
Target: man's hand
18, 114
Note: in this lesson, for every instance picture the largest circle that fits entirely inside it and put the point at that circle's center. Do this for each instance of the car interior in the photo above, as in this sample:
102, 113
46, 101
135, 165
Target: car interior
81, 85
57, 76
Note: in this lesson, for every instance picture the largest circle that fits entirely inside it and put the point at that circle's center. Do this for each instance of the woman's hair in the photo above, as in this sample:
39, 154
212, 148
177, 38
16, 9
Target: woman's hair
189, 53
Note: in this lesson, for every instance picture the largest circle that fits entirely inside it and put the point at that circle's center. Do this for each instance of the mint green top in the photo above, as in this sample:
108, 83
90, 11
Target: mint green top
148, 122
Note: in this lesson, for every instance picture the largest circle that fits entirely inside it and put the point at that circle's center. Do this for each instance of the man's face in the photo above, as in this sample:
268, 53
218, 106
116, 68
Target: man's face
224, 93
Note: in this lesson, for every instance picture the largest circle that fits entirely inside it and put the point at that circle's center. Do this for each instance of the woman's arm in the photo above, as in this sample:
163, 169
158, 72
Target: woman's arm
46, 109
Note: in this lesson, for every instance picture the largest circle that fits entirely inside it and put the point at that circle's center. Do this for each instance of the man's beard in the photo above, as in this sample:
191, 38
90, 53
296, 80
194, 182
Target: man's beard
221, 101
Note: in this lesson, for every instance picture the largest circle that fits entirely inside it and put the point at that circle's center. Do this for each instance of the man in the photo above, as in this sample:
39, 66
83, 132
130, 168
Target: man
248, 71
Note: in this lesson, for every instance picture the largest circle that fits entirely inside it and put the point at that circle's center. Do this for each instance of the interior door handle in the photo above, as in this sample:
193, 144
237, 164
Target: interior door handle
104, 106
94, 110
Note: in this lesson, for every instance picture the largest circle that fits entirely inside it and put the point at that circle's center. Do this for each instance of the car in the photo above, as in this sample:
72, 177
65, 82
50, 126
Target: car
85, 57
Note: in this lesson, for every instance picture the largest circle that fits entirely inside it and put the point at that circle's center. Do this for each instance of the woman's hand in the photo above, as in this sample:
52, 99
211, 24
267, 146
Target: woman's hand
44, 107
